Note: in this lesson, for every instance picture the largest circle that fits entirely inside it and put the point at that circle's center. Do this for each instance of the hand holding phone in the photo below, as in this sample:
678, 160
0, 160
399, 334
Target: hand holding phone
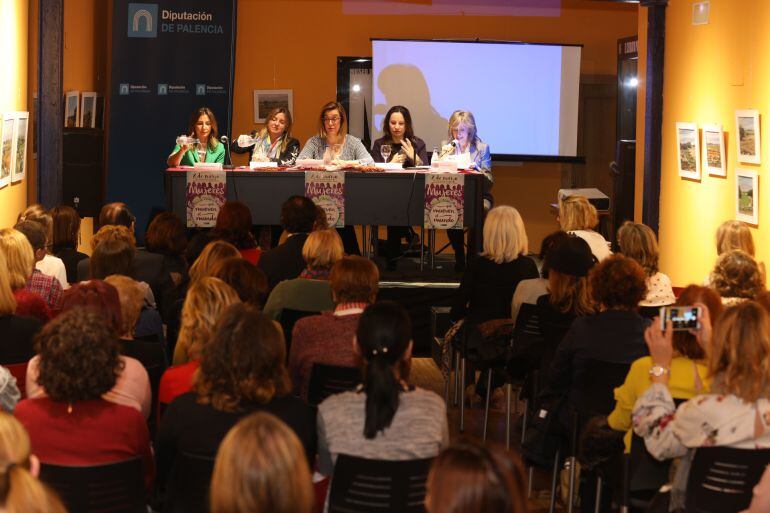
683, 318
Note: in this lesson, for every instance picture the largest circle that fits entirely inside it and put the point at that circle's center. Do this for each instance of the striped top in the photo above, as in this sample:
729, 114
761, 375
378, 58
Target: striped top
352, 149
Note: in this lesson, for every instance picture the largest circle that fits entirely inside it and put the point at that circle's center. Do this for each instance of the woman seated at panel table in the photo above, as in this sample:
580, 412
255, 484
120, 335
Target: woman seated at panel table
406, 149
273, 143
203, 127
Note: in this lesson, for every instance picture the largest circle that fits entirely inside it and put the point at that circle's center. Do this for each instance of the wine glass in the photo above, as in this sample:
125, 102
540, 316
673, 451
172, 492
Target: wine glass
201, 149
385, 151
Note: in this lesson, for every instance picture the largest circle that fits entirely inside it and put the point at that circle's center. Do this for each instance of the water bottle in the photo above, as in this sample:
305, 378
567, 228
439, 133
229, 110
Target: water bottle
434, 157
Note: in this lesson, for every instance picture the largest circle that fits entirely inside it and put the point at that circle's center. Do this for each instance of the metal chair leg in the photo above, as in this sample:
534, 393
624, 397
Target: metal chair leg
462, 394
530, 477
598, 505
486, 405
364, 241
448, 379
572, 474
508, 416
457, 375
524, 420
554, 480
432, 248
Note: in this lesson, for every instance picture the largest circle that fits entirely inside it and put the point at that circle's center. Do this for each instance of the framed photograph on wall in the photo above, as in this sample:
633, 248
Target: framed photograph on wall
688, 150
266, 100
747, 136
19, 147
747, 196
71, 107
714, 150
6, 148
88, 110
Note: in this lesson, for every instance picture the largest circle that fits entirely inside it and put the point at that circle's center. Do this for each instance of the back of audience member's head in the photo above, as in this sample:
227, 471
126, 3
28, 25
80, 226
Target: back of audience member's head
98, 296
569, 263
19, 256
737, 275
322, 249
66, 227
37, 213
20, 490
549, 242
35, 234
354, 279
505, 238
321, 221
384, 340
298, 214
166, 235
734, 235
213, 253
7, 301
685, 342
247, 279
261, 467
197, 244
763, 298
470, 478
638, 241
618, 283
739, 354
112, 256
206, 299
242, 361
577, 213
79, 357
234, 225
113, 232
117, 214
131, 298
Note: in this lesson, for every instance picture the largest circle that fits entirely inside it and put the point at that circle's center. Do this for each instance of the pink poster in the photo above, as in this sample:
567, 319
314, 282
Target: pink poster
327, 190
444, 200
205, 196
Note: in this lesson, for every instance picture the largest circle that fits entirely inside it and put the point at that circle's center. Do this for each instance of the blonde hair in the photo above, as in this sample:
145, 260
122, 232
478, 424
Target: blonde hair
737, 274
206, 299
322, 249
734, 235
261, 467
577, 213
131, 298
38, 214
638, 241
19, 257
463, 117
20, 491
114, 232
214, 252
505, 238
7, 301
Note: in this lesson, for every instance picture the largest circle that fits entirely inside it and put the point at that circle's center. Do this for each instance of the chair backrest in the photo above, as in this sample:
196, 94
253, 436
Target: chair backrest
326, 380
191, 483
19, 371
528, 350
722, 478
288, 319
110, 488
367, 486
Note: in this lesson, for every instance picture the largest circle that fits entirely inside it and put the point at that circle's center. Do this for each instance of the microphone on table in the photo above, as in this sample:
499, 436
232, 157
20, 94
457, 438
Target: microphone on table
228, 158
453, 143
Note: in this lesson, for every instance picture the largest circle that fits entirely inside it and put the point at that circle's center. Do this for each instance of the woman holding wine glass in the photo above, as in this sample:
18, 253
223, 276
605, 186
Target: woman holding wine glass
206, 148
273, 143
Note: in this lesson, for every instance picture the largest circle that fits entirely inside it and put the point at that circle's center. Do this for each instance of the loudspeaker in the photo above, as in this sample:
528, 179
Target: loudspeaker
83, 170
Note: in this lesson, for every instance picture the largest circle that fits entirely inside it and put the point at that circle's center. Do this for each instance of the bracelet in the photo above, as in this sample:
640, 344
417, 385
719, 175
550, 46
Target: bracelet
659, 371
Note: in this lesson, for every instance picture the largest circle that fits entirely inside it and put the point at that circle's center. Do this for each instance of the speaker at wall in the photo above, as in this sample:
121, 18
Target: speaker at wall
83, 170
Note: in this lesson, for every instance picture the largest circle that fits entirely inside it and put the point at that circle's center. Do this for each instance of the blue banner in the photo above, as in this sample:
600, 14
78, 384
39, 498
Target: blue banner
168, 59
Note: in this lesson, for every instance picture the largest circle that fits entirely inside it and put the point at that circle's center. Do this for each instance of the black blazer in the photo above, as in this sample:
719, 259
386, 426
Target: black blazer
287, 158
71, 257
419, 150
284, 262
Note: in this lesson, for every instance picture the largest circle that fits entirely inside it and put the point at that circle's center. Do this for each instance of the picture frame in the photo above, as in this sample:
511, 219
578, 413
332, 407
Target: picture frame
688, 150
714, 150
747, 136
747, 196
266, 100
6, 148
88, 110
71, 108
19, 147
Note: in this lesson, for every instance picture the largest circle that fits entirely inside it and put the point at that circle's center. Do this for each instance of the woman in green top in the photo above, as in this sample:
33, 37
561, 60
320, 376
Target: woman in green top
203, 126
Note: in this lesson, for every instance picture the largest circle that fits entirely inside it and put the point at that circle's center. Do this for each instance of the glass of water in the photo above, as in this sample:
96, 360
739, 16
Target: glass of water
385, 151
201, 149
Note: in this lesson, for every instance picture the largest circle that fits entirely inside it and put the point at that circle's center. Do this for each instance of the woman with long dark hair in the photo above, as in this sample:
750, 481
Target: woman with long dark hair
203, 127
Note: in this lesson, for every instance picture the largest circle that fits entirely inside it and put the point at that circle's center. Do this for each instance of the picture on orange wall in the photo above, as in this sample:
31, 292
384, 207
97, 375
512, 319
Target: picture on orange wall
714, 150
747, 196
6, 148
688, 150
266, 100
747, 133
19, 148
71, 107
88, 110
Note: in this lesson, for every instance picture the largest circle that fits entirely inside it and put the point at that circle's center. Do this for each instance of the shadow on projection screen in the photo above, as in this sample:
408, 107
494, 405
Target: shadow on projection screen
524, 97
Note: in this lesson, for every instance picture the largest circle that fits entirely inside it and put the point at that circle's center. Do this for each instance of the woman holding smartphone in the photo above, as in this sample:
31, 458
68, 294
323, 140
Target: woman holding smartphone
273, 143
203, 127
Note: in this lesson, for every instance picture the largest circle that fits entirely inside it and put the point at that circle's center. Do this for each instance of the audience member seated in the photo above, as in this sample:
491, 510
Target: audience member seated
204, 304
214, 252
49, 265
234, 226
44, 285
247, 280
261, 467
18, 331
328, 338
689, 368
166, 236
285, 261
242, 371
310, 292
22, 491
385, 418
578, 217
470, 478
20, 261
638, 241
737, 277
73, 424
732, 235
132, 385
66, 238
527, 291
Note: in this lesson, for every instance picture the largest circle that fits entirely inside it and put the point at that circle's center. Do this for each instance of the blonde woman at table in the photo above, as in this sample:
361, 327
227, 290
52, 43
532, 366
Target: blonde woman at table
203, 127
333, 141
273, 143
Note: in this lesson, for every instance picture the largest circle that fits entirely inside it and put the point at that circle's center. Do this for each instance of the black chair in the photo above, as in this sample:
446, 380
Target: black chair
326, 380
722, 479
288, 319
190, 484
376, 486
109, 488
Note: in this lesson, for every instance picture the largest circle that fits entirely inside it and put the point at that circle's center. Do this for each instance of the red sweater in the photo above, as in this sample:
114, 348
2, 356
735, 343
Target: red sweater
29, 304
176, 381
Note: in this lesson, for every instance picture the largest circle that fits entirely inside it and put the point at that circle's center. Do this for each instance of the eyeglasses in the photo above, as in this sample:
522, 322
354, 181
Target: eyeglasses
332, 121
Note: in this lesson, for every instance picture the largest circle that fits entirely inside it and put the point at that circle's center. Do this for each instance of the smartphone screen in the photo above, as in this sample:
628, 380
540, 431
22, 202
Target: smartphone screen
681, 317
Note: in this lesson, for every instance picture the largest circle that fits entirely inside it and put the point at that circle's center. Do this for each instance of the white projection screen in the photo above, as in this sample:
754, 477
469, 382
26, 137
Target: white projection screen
524, 97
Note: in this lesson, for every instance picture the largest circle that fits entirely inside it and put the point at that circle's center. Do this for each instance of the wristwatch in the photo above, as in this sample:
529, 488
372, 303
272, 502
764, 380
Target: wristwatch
659, 370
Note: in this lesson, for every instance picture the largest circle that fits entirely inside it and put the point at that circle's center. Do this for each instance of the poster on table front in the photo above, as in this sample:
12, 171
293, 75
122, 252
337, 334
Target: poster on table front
205, 196
444, 201
327, 190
